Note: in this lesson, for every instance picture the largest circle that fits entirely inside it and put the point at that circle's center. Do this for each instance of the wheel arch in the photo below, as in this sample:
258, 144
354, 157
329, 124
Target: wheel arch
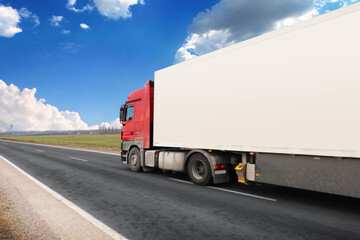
192, 152
213, 157
128, 151
137, 166
127, 145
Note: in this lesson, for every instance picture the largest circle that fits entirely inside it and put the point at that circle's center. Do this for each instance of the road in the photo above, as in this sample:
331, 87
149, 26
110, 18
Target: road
157, 205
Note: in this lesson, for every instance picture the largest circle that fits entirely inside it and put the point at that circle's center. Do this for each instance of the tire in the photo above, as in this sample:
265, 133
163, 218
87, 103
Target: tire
134, 160
199, 170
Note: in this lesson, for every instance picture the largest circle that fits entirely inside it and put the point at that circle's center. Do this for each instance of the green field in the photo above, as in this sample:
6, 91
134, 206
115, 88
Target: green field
109, 142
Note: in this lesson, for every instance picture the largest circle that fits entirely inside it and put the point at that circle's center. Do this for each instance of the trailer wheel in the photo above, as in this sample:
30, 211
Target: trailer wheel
134, 159
199, 169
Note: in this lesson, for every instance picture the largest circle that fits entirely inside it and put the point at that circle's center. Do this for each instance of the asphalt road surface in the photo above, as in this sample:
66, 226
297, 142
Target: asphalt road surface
157, 205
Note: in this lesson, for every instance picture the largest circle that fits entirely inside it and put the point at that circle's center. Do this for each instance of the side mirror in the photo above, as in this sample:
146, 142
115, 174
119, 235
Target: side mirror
121, 117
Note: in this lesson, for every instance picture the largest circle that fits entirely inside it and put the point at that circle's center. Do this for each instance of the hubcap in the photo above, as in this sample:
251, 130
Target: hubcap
198, 169
133, 160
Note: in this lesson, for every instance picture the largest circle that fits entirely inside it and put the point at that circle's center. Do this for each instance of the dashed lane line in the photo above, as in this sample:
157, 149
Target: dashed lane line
244, 194
178, 180
78, 159
230, 191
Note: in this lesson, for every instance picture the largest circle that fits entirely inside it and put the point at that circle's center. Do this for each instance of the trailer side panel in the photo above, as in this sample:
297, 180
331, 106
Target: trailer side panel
293, 91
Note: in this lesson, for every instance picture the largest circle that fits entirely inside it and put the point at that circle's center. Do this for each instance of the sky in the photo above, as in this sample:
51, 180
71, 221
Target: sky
70, 64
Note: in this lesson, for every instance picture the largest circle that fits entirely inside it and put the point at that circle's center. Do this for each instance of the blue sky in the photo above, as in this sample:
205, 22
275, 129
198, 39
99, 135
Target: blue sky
85, 73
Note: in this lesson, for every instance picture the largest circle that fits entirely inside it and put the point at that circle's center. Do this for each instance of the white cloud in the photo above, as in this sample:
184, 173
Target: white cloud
65, 32
70, 47
292, 20
116, 9
114, 124
25, 112
9, 20
84, 26
71, 6
56, 20
232, 21
111, 9
199, 44
25, 13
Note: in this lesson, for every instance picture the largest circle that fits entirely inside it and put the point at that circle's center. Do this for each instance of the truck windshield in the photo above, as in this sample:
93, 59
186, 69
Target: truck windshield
129, 113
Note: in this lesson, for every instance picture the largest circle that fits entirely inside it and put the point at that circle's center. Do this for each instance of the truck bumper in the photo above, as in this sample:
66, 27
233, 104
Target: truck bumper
123, 157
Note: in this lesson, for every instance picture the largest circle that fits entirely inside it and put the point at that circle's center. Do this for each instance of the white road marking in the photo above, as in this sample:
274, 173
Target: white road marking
75, 149
231, 191
178, 180
109, 231
32, 149
245, 194
79, 159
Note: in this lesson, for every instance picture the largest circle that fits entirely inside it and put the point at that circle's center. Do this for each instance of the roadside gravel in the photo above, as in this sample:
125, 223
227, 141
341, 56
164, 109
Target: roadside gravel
17, 219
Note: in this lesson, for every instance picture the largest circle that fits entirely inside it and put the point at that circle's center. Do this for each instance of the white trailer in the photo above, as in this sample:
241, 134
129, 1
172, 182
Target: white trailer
294, 91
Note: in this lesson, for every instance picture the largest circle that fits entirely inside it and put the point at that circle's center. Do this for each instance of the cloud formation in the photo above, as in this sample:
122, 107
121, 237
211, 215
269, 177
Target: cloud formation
84, 26
56, 20
111, 9
25, 112
26, 14
116, 9
114, 124
232, 21
71, 6
70, 47
9, 20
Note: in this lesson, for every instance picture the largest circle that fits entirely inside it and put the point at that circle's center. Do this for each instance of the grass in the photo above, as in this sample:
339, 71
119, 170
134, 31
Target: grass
99, 142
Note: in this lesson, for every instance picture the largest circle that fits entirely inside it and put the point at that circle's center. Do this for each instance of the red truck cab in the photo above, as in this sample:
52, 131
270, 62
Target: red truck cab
136, 116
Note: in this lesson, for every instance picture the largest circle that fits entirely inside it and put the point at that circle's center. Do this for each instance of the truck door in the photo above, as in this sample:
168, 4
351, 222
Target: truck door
129, 123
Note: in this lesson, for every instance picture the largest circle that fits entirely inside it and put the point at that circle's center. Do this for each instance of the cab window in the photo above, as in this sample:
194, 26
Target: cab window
129, 113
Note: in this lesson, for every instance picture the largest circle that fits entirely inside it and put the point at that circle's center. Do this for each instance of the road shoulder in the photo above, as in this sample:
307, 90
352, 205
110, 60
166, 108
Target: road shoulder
42, 215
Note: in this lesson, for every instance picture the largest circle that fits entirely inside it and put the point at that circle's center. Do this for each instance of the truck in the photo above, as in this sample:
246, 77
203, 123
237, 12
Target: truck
282, 108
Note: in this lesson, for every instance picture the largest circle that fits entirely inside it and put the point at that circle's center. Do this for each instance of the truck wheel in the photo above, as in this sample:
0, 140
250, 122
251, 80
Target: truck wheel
199, 169
134, 159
